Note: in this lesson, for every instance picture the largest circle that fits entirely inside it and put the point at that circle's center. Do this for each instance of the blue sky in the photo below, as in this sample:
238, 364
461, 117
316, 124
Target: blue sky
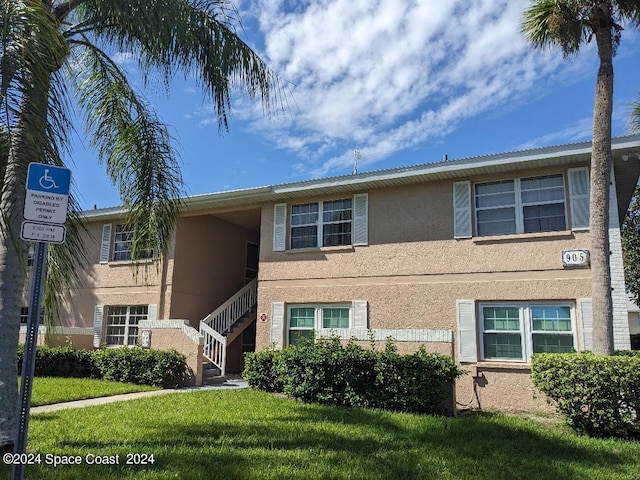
402, 81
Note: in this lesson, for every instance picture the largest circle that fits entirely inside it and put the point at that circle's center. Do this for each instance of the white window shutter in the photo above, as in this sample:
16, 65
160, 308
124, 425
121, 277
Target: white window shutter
462, 210
467, 336
277, 323
105, 245
152, 312
579, 197
279, 227
98, 313
360, 319
360, 219
586, 315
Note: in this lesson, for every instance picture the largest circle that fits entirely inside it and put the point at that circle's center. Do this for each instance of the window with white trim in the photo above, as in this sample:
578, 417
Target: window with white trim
122, 324
321, 224
304, 320
122, 239
24, 315
514, 331
521, 205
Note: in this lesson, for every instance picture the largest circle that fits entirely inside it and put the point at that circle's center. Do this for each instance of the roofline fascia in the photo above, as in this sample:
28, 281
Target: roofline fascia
274, 192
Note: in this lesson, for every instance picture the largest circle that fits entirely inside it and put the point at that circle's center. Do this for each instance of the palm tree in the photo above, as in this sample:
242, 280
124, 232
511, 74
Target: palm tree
569, 24
55, 55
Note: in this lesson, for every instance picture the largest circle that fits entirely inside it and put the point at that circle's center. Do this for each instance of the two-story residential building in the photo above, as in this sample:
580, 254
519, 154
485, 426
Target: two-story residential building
484, 259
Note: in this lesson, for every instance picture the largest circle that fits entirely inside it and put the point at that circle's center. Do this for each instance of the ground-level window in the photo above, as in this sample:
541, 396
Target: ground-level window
122, 324
513, 331
304, 320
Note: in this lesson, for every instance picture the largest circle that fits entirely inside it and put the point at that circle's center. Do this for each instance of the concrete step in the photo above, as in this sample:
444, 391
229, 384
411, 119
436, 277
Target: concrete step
210, 370
214, 380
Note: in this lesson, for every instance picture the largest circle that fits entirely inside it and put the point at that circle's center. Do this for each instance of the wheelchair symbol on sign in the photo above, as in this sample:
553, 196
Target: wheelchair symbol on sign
46, 181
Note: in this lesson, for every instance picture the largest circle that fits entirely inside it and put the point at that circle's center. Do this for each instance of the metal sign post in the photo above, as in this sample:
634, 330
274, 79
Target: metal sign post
45, 212
29, 357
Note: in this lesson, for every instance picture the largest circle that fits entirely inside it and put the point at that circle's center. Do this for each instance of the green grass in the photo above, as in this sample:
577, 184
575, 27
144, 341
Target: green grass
48, 390
245, 434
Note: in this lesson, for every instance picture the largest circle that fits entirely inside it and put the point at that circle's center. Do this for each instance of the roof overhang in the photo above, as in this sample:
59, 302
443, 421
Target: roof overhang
626, 161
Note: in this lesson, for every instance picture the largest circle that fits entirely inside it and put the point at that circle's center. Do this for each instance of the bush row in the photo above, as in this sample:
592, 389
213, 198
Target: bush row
326, 372
599, 395
160, 368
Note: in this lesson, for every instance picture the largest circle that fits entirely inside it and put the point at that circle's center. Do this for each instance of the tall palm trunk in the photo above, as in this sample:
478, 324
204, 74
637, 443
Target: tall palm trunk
600, 179
27, 145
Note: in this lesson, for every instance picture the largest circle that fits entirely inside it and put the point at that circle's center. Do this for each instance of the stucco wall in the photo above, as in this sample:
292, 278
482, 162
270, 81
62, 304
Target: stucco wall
209, 265
412, 272
170, 334
113, 283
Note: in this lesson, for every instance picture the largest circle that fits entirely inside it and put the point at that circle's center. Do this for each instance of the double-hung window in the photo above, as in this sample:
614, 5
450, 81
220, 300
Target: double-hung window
521, 205
122, 243
321, 224
122, 240
512, 332
122, 324
304, 320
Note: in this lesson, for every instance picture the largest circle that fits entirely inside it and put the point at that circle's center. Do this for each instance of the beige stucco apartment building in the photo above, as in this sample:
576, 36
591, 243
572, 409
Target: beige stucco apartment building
484, 259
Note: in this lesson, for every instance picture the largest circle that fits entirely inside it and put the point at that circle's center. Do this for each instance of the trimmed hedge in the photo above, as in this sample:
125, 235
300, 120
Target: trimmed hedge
61, 362
599, 395
326, 372
160, 368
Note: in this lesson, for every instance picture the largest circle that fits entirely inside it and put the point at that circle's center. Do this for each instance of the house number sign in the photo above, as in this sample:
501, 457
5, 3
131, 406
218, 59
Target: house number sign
575, 258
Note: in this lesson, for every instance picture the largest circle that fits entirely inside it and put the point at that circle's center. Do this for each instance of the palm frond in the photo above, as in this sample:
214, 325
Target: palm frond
66, 265
197, 37
136, 148
635, 116
562, 23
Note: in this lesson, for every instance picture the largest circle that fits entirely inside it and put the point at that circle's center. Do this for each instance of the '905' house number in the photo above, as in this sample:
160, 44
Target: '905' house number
575, 258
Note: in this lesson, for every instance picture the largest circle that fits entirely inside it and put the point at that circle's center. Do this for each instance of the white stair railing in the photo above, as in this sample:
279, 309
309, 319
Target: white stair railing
223, 317
215, 347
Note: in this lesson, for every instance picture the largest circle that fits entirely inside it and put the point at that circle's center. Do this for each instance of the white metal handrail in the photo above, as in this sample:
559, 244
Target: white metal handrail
223, 317
215, 347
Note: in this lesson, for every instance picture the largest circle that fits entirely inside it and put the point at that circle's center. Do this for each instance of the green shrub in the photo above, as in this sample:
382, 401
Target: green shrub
160, 368
60, 362
259, 370
628, 353
599, 395
325, 371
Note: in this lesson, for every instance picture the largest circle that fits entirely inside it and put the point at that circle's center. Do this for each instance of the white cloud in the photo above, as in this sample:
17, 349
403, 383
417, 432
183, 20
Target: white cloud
387, 75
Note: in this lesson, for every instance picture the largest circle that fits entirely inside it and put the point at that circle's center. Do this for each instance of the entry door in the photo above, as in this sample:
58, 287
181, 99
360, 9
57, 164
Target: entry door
251, 262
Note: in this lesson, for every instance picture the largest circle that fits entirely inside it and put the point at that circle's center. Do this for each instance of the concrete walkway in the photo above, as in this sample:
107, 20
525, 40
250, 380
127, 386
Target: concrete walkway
229, 384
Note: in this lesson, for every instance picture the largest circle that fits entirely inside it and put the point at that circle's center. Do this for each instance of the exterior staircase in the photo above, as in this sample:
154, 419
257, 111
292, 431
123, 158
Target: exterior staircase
223, 326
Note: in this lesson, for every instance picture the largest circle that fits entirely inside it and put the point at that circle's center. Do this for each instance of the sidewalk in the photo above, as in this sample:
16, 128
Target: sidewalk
229, 384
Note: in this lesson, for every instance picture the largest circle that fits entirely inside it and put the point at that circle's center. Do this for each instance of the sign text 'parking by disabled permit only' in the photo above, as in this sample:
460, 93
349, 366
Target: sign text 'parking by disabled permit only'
45, 203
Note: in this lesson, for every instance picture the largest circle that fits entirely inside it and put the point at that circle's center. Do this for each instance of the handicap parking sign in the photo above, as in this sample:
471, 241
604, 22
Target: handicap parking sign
47, 195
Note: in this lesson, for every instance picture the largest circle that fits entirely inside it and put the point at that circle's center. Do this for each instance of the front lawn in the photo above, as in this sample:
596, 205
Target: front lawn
48, 390
246, 434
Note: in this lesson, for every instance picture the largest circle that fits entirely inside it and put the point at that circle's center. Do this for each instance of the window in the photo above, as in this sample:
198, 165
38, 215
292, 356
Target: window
512, 332
521, 205
321, 224
122, 244
122, 324
24, 315
305, 319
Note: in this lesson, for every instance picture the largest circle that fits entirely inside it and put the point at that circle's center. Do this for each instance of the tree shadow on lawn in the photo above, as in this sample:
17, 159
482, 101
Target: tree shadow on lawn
310, 441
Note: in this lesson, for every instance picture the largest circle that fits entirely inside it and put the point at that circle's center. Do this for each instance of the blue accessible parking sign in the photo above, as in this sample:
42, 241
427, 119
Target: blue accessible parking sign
45, 203
47, 194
